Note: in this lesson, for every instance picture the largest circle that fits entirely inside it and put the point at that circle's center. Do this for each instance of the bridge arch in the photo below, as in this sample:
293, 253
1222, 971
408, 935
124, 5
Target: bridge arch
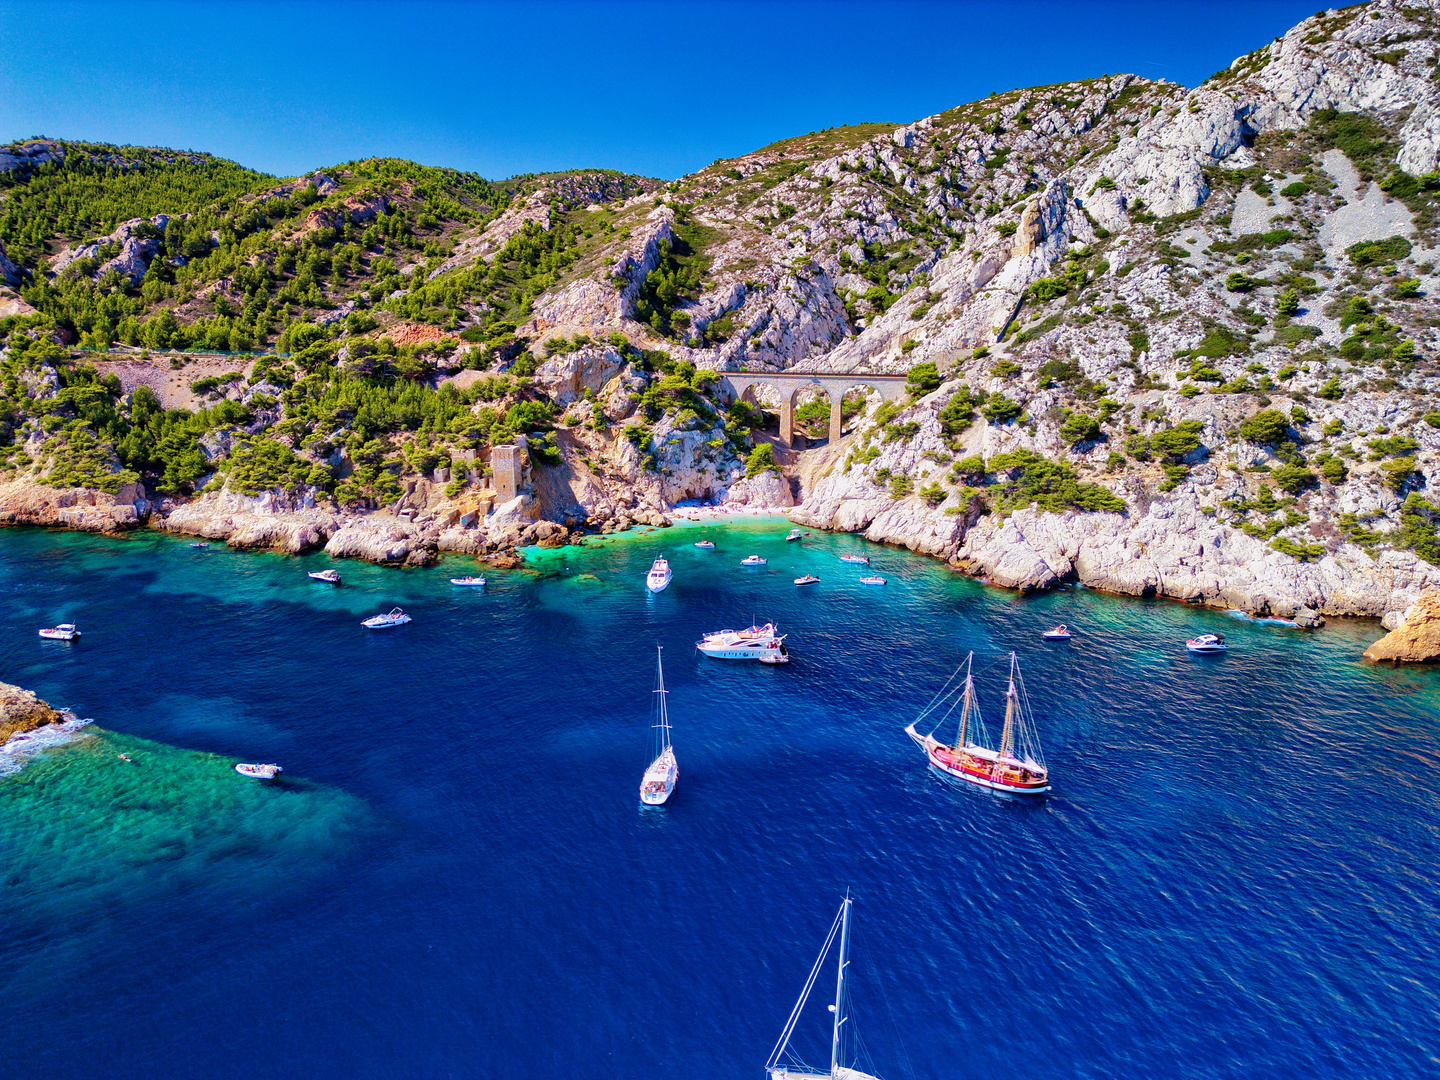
834, 384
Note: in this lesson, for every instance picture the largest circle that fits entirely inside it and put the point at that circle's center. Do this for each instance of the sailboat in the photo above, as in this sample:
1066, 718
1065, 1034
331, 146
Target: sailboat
1017, 766
658, 783
838, 1069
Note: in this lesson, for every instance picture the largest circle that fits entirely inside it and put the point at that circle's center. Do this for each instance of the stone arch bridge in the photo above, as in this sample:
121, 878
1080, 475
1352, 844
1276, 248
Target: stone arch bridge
835, 384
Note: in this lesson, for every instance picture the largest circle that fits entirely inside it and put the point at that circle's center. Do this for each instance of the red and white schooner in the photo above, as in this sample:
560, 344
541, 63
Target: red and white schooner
1017, 766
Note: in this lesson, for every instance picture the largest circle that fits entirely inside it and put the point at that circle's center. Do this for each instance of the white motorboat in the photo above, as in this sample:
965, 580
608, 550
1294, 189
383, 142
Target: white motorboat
199, 545
807, 579
1060, 633
658, 783
393, 617
793, 534
331, 577
843, 1039
753, 643
861, 559
468, 580
752, 560
1207, 643
259, 772
873, 579
658, 579
65, 631
708, 545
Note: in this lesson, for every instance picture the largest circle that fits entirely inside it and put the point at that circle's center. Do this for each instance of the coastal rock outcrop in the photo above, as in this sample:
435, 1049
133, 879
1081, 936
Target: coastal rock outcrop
22, 710
24, 502
1417, 639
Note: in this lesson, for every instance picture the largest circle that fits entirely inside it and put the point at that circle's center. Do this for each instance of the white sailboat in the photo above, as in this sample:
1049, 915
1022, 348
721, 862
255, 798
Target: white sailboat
838, 1069
658, 783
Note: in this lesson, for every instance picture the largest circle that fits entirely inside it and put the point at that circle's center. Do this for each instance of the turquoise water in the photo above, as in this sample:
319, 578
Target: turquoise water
1235, 874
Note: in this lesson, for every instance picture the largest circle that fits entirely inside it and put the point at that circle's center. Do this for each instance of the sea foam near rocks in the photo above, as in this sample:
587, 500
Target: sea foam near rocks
19, 748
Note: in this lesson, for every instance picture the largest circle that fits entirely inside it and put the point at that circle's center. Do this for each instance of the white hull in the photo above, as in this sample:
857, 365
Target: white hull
841, 1073
60, 635
930, 744
658, 783
259, 772
471, 583
657, 584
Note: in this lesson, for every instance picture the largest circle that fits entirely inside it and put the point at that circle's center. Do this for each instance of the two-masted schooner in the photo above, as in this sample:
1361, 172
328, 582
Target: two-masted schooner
659, 780
1016, 766
838, 1069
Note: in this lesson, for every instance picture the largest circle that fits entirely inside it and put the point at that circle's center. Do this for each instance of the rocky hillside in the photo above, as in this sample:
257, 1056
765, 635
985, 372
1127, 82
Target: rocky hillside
1160, 340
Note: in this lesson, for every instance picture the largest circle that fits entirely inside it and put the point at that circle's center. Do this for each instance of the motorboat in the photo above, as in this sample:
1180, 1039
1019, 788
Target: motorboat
658, 579
863, 560
1207, 643
844, 1039
199, 545
872, 579
65, 631
753, 643
331, 577
752, 560
393, 617
259, 772
708, 545
1016, 766
1060, 633
807, 579
793, 534
658, 783
468, 580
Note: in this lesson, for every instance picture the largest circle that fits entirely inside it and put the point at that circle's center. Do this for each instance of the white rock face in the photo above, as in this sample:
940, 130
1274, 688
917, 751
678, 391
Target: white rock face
1368, 213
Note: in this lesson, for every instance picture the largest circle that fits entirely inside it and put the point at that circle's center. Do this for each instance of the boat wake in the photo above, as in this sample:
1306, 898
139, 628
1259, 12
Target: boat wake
1245, 616
18, 749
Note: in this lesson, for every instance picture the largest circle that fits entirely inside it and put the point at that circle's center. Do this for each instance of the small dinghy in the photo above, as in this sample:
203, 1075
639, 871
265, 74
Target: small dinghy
752, 560
330, 577
1207, 643
873, 579
861, 559
708, 545
1060, 633
793, 534
259, 772
64, 632
471, 581
198, 545
808, 579
393, 617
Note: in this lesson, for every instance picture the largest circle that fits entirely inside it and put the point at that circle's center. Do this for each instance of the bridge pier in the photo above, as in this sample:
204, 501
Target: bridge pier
787, 418
789, 383
837, 418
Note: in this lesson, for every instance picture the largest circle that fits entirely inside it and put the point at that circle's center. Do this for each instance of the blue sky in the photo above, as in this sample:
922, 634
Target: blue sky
653, 88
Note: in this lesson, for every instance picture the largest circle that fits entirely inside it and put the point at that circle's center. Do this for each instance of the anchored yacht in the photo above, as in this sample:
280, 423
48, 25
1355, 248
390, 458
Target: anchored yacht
393, 617
658, 579
65, 631
753, 643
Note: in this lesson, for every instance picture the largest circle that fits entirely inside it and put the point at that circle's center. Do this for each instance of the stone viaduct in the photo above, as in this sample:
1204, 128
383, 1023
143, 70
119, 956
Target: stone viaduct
789, 383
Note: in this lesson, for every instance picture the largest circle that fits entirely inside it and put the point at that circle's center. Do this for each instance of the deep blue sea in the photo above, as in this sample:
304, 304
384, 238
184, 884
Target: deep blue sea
1237, 874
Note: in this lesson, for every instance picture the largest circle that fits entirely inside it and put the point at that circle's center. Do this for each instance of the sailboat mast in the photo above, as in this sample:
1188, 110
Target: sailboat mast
1007, 737
664, 714
840, 985
965, 707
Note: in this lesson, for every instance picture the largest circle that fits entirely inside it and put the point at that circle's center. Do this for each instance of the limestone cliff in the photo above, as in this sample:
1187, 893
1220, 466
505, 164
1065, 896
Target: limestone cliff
21, 710
1417, 639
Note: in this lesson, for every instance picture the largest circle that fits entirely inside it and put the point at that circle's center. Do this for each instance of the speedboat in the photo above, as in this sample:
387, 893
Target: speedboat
862, 559
793, 534
873, 579
259, 772
1060, 633
754, 643
1207, 643
393, 617
709, 545
330, 576
807, 579
752, 560
658, 579
468, 579
65, 631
